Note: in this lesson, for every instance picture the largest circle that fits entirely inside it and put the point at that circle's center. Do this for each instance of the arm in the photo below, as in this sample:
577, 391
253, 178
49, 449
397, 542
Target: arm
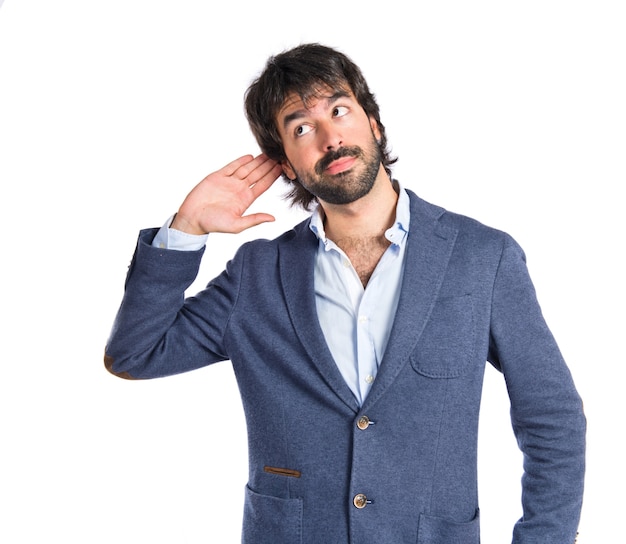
156, 331
546, 410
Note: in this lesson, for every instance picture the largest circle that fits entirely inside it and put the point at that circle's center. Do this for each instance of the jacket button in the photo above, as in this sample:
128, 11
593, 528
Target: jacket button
360, 500
363, 422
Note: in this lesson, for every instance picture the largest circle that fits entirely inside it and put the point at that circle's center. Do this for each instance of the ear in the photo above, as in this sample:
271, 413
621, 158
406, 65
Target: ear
288, 170
375, 130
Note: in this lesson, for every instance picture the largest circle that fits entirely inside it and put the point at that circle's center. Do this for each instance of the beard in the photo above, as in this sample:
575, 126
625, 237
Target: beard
344, 187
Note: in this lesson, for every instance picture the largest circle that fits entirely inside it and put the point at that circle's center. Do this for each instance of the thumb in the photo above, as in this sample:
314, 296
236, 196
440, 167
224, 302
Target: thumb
254, 219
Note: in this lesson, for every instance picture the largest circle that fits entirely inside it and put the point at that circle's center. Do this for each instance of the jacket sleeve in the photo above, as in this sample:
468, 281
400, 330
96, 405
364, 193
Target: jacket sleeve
546, 410
157, 332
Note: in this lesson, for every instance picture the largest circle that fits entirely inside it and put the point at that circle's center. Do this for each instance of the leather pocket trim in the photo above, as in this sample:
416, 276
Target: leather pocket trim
282, 471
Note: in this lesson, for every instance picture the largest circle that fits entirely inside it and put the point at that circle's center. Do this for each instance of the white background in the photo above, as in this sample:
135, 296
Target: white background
511, 112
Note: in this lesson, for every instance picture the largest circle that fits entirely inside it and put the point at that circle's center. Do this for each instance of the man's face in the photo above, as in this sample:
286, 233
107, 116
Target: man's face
331, 146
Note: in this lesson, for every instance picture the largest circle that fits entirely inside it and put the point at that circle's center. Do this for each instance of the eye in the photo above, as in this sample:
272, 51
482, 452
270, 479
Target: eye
301, 130
339, 111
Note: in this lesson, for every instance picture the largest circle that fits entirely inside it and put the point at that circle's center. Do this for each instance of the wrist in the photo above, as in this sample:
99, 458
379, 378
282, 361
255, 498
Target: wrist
182, 224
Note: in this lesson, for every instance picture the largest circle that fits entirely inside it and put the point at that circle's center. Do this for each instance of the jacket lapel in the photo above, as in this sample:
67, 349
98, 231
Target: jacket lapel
430, 245
427, 254
296, 262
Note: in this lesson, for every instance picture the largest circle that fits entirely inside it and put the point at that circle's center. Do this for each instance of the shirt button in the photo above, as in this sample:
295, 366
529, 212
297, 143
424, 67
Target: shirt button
362, 319
346, 263
363, 423
360, 500
369, 379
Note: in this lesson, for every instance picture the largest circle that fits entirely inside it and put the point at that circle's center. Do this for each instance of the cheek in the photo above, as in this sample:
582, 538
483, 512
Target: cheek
298, 160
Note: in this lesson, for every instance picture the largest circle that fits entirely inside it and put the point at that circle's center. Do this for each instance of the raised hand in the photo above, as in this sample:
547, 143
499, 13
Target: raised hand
219, 201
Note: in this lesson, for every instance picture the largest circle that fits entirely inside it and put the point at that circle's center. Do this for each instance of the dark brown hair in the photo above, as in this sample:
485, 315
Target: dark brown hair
306, 70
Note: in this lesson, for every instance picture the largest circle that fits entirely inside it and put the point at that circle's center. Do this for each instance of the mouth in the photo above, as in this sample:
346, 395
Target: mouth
340, 165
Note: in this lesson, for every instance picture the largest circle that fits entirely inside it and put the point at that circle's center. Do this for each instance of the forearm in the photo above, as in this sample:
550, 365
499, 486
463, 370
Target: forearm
551, 435
151, 306
546, 410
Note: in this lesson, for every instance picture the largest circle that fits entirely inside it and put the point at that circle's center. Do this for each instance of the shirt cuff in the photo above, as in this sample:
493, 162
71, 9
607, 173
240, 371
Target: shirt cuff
168, 238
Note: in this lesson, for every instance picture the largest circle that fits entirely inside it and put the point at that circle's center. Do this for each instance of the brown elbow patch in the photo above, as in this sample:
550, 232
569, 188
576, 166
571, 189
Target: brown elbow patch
282, 471
108, 364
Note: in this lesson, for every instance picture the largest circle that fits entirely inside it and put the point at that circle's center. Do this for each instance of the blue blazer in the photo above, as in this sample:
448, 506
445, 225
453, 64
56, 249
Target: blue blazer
401, 469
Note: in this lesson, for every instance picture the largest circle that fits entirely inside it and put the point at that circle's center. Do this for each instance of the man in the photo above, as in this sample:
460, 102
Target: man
359, 338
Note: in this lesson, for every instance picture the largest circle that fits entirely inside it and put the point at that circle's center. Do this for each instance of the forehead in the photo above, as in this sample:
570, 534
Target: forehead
296, 105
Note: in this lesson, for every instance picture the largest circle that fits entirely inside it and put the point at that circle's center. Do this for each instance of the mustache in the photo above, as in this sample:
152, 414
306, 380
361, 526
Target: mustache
333, 155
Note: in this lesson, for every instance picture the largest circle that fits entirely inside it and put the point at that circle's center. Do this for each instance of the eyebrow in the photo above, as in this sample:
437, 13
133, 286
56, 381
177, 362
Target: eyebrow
299, 114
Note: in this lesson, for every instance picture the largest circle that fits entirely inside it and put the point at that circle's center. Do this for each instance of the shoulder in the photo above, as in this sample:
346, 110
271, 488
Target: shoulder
298, 237
445, 222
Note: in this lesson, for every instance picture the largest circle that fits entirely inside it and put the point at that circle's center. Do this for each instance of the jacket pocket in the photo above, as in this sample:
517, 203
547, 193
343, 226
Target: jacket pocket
434, 530
446, 346
270, 520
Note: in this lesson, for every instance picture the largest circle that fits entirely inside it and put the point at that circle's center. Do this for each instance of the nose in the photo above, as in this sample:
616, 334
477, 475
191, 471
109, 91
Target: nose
330, 137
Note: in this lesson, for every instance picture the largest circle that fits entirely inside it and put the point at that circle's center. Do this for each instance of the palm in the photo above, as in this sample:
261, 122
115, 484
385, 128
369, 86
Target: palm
218, 203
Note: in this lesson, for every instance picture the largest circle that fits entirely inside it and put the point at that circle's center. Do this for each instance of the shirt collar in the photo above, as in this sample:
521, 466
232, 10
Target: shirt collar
396, 234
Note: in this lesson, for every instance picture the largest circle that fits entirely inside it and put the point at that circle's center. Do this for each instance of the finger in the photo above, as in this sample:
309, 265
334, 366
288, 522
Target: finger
266, 181
254, 219
260, 171
233, 166
253, 170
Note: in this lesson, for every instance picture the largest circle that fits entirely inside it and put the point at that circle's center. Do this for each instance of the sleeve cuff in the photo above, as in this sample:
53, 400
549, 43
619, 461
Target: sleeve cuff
168, 238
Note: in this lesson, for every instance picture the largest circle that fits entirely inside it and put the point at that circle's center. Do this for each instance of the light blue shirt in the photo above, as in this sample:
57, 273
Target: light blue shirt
168, 238
356, 321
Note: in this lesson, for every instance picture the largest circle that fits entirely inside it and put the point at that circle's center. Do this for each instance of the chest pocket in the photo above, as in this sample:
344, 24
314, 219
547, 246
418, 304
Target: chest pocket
446, 346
